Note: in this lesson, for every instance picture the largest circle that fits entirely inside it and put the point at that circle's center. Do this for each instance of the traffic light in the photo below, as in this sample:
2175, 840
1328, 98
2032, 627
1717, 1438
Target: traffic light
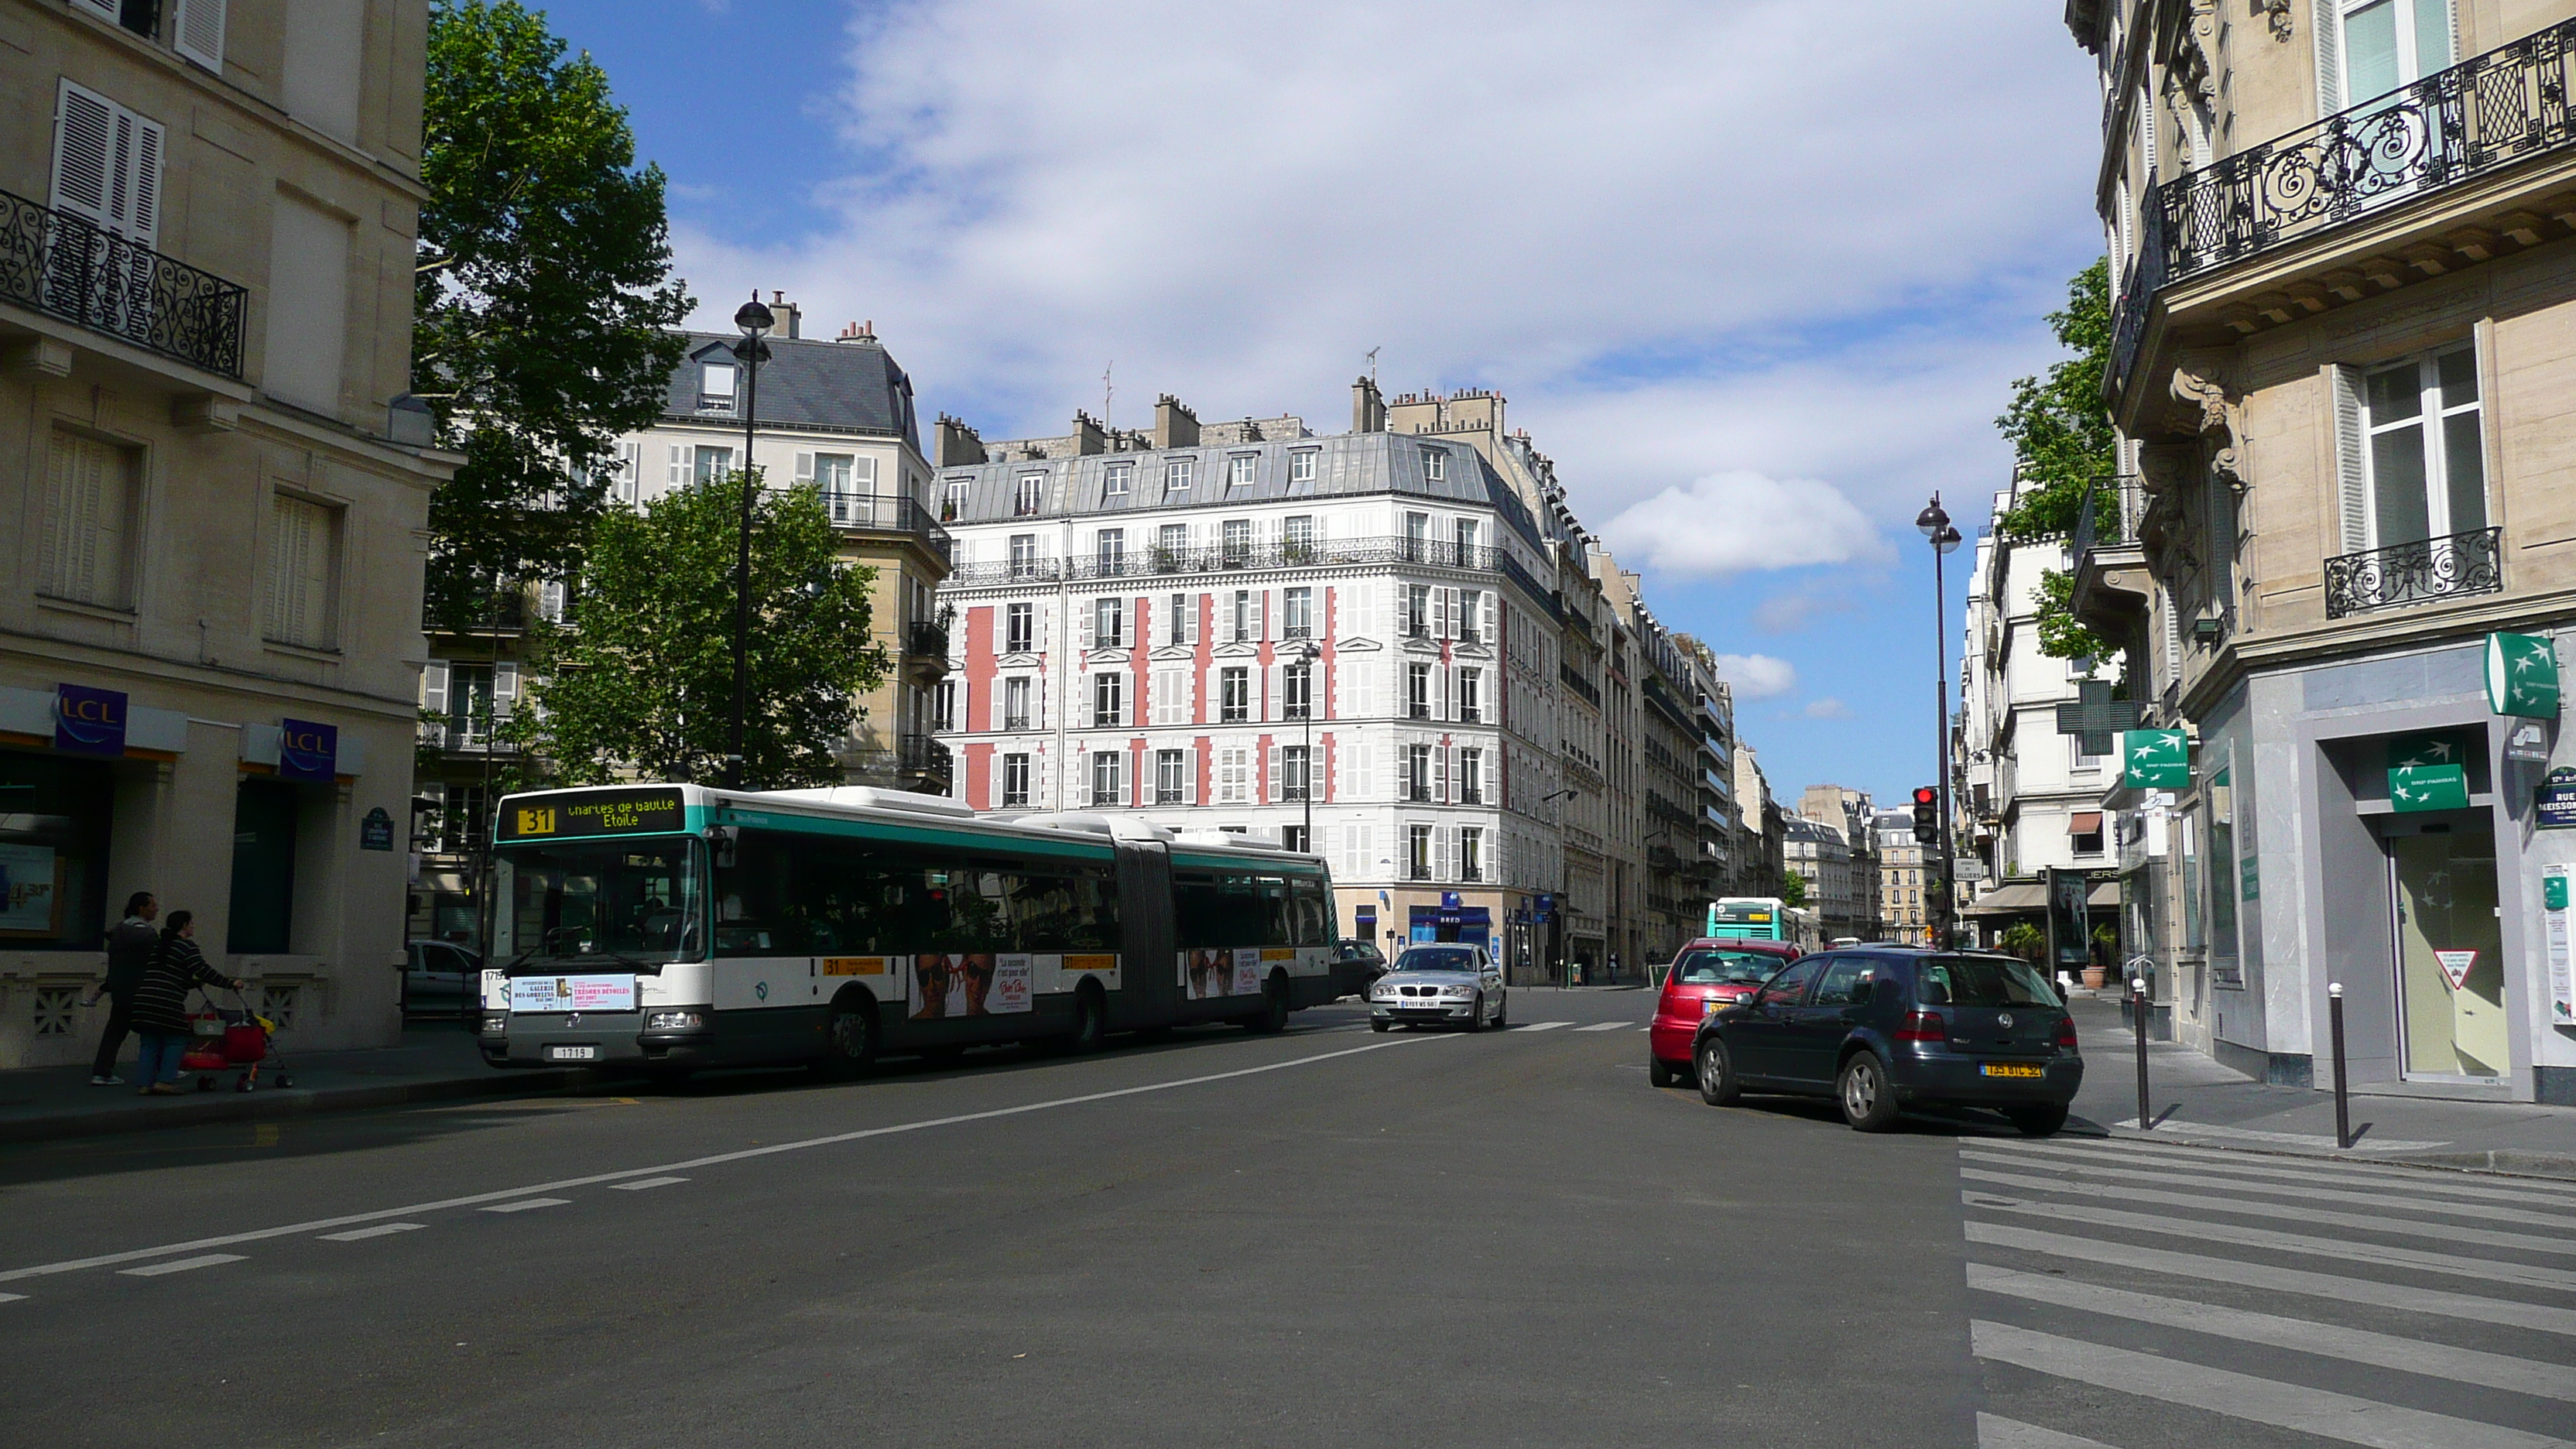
1927, 815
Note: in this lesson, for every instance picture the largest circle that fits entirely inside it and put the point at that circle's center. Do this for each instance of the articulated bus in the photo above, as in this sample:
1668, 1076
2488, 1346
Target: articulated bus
1752, 918
669, 927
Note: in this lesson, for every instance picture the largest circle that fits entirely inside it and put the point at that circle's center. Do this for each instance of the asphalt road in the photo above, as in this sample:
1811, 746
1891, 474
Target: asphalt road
1325, 1237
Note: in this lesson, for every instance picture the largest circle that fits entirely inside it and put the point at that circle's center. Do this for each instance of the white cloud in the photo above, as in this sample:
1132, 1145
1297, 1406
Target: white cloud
1731, 522
1757, 676
1827, 707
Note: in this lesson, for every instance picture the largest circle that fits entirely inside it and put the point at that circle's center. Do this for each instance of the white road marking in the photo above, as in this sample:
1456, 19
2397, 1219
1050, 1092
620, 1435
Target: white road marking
2353, 1345
74, 1265
525, 1203
2243, 1396
378, 1231
2178, 1175
203, 1260
13, 1297
2286, 1139
2536, 1316
647, 1182
1541, 1025
2365, 1222
2238, 1164
1997, 1432
1603, 1026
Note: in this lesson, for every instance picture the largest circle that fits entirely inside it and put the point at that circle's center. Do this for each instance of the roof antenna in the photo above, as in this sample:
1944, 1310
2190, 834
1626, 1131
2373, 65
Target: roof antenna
1106, 394
1372, 367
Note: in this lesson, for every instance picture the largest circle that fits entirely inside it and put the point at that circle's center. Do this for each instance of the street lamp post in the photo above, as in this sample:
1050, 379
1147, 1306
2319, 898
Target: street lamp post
1306, 654
755, 321
1935, 525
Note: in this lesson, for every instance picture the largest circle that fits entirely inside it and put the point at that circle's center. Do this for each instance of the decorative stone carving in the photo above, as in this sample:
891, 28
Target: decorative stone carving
2279, 13
2201, 388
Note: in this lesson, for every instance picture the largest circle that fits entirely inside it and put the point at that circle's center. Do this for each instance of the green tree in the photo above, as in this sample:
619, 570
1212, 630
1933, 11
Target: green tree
640, 678
2063, 448
543, 298
1793, 889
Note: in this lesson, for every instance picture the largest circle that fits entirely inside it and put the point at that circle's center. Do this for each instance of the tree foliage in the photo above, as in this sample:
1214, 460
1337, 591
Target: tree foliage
2060, 636
641, 675
542, 301
1793, 889
2061, 435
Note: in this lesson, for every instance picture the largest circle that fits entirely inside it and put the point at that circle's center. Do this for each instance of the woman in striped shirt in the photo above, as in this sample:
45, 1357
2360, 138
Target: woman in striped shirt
161, 1002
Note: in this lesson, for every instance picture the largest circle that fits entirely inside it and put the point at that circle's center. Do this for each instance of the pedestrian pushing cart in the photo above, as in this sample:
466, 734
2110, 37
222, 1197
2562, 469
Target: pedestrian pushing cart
233, 1036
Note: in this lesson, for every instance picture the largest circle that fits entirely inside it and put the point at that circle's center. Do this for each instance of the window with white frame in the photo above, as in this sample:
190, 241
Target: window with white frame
1471, 853
88, 543
952, 500
1015, 702
303, 561
1109, 623
943, 705
716, 387
1108, 777
1471, 777
1234, 696
1471, 696
1237, 535
1417, 611
2427, 464
1435, 464
1176, 475
1417, 773
1109, 552
1024, 555
1019, 628
1233, 775
1108, 699
1417, 852
711, 464
1117, 479
1171, 777
1466, 536
1301, 466
1417, 691
1239, 470
1181, 615
1297, 538
1245, 624
1297, 614
1297, 691
1015, 781
1293, 774
1417, 534
1028, 497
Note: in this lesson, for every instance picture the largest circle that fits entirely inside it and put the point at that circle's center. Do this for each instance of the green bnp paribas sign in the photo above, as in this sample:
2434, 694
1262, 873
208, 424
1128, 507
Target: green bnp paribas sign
2155, 760
2522, 675
2427, 772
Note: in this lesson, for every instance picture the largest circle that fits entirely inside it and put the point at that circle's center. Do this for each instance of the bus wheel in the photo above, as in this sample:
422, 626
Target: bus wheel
1090, 1019
850, 1042
1274, 1008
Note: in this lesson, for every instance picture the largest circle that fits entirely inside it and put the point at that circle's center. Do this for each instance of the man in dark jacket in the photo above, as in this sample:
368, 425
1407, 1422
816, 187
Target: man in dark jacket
129, 950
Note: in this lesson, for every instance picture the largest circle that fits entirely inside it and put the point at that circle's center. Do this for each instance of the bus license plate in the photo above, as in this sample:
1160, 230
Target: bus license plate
572, 1053
2012, 1069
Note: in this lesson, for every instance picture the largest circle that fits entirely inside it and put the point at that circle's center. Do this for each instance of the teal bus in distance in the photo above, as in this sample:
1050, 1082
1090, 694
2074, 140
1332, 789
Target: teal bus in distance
1749, 918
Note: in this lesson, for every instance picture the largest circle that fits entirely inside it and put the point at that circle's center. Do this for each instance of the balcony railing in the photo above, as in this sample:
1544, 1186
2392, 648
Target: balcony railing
927, 637
1580, 685
2107, 517
888, 515
2415, 573
2481, 115
65, 266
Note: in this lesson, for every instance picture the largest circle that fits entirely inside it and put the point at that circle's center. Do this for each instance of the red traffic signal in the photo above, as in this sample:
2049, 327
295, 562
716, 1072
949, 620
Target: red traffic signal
1927, 815
1926, 795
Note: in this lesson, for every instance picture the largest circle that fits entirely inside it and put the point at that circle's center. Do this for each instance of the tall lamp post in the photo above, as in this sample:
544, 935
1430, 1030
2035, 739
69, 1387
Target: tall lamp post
1306, 654
755, 321
1934, 522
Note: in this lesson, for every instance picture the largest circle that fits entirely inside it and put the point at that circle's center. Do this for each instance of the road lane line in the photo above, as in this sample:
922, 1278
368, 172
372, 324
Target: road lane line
13, 1297
648, 1182
1997, 1432
379, 1230
2313, 1217
1541, 1025
1604, 1026
2539, 1317
525, 1203
2491, 1269
2305, 1192
103, 1260
204, 1260
2352, 1345
2180, 1128
2243, 1396
2414, 1180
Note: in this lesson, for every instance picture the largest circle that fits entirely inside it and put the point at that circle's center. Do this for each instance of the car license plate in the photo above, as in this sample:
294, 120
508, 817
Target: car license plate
2012, 1069
572, 1053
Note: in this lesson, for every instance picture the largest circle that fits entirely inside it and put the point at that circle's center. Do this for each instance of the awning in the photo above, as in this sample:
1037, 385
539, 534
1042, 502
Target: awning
2105, 893
2084, 822
2009, 900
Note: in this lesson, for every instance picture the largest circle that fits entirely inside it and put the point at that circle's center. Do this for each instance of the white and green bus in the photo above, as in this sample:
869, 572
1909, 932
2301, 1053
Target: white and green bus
673, 927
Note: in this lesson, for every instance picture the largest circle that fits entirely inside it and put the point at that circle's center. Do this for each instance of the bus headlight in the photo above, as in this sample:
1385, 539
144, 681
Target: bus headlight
674, 1021
496, 1025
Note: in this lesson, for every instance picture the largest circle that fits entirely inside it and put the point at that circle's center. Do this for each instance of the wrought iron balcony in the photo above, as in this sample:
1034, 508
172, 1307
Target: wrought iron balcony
2482, 115
889, 515
2415, 573
2107, 517
927, 637
65, 266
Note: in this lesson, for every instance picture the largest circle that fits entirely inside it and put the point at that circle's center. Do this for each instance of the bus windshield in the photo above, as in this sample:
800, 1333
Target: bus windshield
634, 902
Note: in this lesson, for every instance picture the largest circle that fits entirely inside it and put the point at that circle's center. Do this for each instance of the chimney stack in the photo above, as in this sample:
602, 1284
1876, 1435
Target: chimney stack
790, 316
1087, 437
1368, 408
1175, 426
955, 444
857, 332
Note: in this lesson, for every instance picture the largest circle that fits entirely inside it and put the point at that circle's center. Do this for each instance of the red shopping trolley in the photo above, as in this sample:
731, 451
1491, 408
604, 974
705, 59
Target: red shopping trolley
233, 1036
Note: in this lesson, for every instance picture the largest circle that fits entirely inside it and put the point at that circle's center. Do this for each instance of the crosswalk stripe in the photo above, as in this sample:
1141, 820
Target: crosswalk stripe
2406, 1355
2538, 1317
2403, 1227
641, 1184
2490, 1269
521, 1205
2284, 1139
1603, 1026
1997, 1432
1543, 1025
2238, 1164
355, 1235
2242, 1396
181, 1265
2305, 1192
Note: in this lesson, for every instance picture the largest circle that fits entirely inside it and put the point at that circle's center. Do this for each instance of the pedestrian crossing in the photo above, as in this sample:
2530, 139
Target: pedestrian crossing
2123, 1294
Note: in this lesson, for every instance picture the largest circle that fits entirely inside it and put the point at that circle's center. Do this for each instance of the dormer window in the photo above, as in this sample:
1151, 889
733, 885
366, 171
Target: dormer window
715, 387
1435, 464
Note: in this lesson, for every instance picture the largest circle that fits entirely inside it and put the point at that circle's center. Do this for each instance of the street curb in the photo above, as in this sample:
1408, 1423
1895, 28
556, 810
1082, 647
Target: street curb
2500, 1162
292, 1102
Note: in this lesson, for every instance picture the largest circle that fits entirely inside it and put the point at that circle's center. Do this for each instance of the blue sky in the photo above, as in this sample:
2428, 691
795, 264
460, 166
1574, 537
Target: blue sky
1757, 282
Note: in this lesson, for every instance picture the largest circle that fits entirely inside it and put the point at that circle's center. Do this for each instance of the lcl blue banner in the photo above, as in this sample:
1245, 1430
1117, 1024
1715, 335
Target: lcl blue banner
307, 751
89, 721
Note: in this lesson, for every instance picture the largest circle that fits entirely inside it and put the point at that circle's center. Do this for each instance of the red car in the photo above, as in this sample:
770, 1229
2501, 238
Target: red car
1706, 974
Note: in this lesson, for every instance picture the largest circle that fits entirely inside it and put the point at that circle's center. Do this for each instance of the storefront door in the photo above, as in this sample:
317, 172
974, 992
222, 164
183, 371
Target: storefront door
2450, 948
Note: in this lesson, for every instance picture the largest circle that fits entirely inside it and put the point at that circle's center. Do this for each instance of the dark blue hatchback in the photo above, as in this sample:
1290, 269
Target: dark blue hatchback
1882, 1028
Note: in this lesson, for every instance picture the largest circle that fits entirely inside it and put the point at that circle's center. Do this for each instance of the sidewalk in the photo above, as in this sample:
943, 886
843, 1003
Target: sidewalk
434, 1063
2195, 1100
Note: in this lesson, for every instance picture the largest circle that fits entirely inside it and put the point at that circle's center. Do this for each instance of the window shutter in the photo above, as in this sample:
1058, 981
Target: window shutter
804, 468
1489, 606
1274, 699
2325, 21
505, 688
433, 686
84, 143
1440, 691
200, 33
1252, 624
1403, 772
1440, 774
1355, 761
2352, 483
678, 476
630, 471
1443, 842
291, 549
139, 189
1270, 781
1195, 611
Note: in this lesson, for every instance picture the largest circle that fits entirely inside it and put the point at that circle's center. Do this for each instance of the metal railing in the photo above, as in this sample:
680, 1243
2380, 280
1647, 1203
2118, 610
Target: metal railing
927, 637
1159, 561
66, 266
889, 515
2479, 116
2107, 516
1579, 684
2415, 573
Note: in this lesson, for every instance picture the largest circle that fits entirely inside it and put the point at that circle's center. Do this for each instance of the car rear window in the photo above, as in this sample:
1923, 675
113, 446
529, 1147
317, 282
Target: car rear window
1726, 968
1980, 981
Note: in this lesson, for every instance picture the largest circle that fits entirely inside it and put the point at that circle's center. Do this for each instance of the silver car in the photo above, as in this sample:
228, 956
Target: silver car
1444, 985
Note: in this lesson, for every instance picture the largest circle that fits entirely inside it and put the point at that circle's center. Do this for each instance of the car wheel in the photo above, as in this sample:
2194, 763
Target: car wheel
1659, 1071
2037, 1121
1502, 1006
1476, 1015
1868, 1102
1717, 1084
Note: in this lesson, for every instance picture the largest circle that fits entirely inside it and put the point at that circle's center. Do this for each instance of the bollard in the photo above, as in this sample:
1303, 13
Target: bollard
2343, 1103
2138, 1018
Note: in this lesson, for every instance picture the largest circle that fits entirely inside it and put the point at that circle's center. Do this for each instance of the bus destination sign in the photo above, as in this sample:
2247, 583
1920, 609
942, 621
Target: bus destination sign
601, 812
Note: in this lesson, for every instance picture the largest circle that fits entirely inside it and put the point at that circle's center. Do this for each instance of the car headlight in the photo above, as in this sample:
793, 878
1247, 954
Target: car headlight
673, 1021
496, 1023
1458, 993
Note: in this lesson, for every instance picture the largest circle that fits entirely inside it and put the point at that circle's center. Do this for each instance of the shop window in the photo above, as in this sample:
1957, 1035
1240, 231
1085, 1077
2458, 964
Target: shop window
55, 819
263, 896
